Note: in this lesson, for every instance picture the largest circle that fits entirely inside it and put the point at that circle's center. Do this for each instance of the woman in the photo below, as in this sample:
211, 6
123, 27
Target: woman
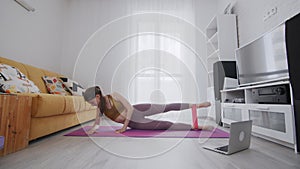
118, 109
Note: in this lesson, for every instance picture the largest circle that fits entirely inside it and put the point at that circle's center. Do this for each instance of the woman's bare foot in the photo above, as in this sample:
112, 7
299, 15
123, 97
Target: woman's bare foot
207, 127
204, 104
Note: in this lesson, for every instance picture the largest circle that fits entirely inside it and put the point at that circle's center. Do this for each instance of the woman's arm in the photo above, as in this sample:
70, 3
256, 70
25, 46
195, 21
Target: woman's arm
128, 109
96, 123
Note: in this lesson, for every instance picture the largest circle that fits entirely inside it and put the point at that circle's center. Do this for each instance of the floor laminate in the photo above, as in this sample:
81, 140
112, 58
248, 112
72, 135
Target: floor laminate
60, 152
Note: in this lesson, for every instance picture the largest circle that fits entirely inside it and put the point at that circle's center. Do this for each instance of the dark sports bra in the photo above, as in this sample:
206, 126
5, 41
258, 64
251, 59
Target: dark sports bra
115, 109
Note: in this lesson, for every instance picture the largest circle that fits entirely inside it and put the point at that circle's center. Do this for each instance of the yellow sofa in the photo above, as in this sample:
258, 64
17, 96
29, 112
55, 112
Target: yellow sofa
51, 113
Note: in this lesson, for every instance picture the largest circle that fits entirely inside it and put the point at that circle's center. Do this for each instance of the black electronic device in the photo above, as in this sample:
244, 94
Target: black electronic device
222, 69
278, 94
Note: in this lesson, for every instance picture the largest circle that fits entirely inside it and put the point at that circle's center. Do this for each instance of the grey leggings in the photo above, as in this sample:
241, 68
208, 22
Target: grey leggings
141, 111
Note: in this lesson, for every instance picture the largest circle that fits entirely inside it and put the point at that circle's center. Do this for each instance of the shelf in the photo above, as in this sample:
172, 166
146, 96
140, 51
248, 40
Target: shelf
214, 55
214, 38
212, 24
211, 32
211, 48
259, 85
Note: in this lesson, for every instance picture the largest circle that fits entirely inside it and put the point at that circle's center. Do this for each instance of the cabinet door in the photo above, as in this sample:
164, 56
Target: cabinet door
275, 121
233, 112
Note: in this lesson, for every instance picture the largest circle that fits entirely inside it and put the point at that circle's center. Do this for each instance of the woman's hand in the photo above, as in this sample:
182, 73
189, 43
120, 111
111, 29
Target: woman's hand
121, 130
91, 131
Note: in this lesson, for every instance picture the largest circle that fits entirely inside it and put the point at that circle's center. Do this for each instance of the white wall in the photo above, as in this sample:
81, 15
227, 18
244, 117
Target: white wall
250, 16
32, 37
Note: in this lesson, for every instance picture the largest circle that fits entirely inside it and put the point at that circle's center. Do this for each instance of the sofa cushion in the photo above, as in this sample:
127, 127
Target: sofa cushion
2, 77
8, 71
76, 104
55, 86
88, 106
44, 105
72, 104
12, 80
16, 85
18, 65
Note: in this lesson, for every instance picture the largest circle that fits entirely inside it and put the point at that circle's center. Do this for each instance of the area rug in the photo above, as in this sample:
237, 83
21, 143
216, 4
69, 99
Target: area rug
109, 131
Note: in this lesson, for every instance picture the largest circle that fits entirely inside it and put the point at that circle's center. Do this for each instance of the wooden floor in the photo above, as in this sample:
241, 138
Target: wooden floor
58, 151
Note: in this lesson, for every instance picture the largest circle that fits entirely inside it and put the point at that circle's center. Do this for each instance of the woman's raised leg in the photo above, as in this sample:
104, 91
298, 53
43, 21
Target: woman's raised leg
152, 109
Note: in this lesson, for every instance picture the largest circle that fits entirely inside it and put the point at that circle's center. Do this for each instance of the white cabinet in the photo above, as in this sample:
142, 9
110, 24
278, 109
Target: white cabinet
221, 41
273, 121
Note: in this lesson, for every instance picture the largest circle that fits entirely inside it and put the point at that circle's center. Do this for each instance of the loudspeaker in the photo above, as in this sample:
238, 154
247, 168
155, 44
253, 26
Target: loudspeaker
293, 55
222, 69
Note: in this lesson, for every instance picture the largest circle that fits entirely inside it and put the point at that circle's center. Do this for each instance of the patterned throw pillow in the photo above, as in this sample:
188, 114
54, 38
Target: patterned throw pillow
55, 86
8, 71
12, 80
17, 85
2, 77
74, 87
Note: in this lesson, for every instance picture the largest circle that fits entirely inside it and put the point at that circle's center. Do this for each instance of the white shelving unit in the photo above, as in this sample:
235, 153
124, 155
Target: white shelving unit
221, 42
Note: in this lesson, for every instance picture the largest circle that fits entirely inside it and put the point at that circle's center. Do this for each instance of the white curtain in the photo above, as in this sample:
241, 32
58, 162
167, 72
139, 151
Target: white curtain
147, 50
155, 58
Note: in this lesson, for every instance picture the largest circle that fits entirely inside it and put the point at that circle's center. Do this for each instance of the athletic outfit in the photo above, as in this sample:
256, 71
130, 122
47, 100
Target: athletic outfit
139, 118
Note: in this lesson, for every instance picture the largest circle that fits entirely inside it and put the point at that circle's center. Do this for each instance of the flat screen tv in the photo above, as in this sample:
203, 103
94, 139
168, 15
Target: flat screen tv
264, 59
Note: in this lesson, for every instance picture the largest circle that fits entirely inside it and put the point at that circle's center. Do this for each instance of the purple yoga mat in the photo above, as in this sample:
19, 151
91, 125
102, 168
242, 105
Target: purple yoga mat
109, 131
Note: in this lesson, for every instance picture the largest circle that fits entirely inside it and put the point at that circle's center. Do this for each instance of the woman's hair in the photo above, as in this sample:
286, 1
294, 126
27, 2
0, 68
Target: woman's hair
90, 93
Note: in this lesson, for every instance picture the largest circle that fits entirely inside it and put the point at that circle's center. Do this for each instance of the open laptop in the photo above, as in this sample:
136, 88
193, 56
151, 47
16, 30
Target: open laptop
240, 137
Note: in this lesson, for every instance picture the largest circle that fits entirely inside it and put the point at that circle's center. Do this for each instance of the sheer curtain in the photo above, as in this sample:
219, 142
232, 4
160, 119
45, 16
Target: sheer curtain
156, 60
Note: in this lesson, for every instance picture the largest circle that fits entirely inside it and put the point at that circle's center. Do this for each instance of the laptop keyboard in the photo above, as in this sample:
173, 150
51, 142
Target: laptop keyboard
223, 148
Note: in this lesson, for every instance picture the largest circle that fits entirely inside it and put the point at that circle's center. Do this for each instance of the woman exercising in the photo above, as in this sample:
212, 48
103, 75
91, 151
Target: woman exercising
118, 109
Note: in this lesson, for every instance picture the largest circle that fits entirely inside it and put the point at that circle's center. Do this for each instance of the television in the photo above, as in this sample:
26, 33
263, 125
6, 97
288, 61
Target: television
264, 59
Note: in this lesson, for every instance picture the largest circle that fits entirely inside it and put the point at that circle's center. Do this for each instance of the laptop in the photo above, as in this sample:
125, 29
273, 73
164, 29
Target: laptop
240, 137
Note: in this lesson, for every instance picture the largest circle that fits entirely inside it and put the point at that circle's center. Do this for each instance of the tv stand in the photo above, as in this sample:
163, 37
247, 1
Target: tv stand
272, 114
